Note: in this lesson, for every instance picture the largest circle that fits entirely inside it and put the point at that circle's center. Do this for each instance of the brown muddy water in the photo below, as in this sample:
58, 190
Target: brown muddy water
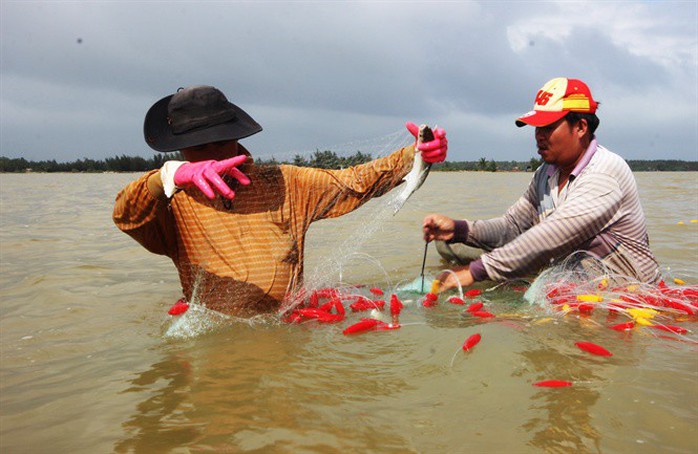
92, 363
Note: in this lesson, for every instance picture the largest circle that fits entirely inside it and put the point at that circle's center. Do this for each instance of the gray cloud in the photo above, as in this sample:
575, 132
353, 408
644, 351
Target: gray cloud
78, 77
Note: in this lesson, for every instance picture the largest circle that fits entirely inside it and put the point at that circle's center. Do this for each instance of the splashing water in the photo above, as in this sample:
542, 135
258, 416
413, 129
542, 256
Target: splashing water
331, 270
417, 285
196, 321
579, 285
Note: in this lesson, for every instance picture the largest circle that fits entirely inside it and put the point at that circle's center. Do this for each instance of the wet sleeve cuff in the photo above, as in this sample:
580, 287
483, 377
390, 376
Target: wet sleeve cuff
460, 232
167, 173
478, 271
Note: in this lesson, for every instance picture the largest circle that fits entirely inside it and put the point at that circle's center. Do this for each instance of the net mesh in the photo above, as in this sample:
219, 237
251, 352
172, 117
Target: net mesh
580, 285
330, 272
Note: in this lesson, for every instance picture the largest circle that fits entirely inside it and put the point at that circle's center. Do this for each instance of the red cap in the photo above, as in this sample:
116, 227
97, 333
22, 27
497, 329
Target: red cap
558, 97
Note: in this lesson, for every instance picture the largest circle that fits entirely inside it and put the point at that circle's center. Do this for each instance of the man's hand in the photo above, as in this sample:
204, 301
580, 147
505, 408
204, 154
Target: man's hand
438, 227
462, 277
432, 151
206, 176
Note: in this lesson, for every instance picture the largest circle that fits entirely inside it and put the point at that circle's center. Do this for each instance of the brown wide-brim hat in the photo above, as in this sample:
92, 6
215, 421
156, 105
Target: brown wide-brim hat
195, 116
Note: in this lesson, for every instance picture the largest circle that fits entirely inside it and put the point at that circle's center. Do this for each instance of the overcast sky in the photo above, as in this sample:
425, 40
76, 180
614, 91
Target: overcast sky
77, 78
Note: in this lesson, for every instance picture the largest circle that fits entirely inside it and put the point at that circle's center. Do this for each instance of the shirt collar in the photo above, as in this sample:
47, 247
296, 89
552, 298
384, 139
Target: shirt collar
581, 165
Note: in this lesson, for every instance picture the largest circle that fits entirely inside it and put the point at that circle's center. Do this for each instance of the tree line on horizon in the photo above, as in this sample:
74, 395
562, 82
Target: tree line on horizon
319, 159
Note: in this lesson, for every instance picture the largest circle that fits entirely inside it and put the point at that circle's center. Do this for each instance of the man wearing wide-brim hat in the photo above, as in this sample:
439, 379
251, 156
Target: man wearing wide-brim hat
235, 230
583, 198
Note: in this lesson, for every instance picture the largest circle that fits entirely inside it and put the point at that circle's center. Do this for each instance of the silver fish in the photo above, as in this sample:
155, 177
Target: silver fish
417, 175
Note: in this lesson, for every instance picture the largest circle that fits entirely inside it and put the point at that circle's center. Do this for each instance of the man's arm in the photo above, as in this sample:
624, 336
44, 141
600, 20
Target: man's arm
488, 235
587, 211
496, 232
141, 212
330, 193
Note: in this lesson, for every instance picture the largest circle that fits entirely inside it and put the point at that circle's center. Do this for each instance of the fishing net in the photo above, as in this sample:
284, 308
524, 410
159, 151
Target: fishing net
583, 286
341, 254
330, 292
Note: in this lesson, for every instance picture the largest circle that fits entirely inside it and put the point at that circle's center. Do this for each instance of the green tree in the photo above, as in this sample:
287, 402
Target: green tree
534, 164
299, 160
322, 159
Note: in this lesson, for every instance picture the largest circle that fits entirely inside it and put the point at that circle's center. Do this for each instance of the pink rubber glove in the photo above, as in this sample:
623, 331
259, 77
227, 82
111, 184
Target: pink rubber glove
434, 151
206, 175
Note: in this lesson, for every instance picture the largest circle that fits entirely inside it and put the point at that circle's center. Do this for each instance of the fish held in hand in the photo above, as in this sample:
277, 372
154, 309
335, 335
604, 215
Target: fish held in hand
419, 172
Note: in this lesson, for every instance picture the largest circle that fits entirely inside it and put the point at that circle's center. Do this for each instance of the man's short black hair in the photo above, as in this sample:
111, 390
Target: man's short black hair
592, 120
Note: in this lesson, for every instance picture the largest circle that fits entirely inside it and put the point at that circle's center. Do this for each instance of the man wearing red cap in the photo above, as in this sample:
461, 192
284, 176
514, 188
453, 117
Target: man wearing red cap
235, 230
583, 198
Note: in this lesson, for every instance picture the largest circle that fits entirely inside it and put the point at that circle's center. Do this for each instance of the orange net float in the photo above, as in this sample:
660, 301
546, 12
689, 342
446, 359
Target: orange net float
553, 383
366, 324
471, 342
179, 307
475, 307
592, 348
472, 293
395, 308
455, 300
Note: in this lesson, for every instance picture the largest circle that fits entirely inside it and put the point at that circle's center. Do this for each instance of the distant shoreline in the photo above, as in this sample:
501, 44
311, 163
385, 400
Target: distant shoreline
320, 159
30, 171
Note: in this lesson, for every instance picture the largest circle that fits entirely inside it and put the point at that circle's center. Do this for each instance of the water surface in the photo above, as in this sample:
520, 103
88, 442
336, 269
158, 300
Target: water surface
86, 365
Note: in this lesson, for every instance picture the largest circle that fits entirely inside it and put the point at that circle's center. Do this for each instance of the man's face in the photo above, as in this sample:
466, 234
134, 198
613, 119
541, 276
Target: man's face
215, 150
560, 143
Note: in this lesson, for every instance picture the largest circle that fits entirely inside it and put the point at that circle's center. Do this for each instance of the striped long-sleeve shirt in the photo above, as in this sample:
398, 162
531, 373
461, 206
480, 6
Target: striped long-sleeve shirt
597, 211
244, 256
